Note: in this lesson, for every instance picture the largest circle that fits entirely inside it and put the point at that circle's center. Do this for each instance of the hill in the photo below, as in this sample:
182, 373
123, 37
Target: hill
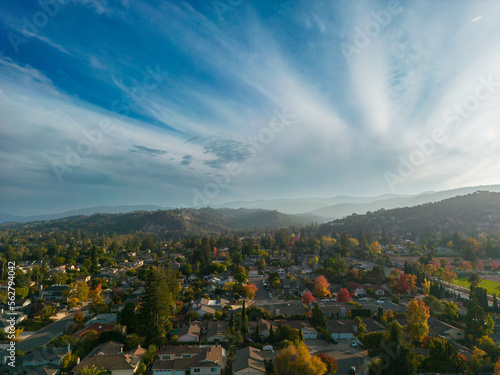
178, 221
479, 211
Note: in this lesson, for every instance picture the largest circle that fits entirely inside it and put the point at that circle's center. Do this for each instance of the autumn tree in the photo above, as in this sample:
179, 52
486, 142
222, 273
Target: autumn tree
343, 295
417, 314
249, 291
307, 298
466, 266
322, 287
329, 361
426, 286
296, 360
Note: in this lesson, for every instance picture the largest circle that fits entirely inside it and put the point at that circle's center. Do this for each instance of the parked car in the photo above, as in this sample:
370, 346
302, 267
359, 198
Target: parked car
335, 341
363, 299
352, 371
383, 298
270, 295
354, 344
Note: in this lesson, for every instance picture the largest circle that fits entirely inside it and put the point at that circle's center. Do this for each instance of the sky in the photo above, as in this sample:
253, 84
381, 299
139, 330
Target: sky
196, 103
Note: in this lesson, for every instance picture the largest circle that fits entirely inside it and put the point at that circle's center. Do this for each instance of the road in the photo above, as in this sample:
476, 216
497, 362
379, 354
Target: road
261, 296
43, 336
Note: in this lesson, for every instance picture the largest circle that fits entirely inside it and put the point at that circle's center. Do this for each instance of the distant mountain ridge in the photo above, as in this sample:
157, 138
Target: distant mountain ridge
468, 214
176, 222
315, 208
342, 206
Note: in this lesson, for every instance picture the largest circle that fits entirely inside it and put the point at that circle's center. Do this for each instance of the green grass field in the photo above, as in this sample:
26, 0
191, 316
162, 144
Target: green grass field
493, 287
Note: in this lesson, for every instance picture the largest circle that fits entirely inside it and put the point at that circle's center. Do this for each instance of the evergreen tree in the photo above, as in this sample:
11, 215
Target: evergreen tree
231, 320
495, 303
318, 318
257, 331
271, 334
156, 309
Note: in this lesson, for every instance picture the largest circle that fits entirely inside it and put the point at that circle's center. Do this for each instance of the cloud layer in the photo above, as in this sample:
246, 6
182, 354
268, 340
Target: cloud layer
144, 102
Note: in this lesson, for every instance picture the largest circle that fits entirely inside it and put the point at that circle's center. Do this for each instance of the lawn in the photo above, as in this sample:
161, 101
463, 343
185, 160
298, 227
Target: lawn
493, 287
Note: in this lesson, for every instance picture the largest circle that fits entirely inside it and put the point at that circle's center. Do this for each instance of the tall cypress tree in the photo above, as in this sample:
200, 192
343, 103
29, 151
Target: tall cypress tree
156, 308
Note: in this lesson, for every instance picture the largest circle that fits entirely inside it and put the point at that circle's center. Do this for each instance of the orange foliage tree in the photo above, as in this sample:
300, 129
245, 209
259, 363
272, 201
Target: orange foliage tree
249, 291
322, 287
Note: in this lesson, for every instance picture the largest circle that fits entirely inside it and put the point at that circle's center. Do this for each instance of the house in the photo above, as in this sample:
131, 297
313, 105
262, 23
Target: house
307, 329
335, 309
190, 332
264, 328
341, 329
249, 361
52, 293
41, 361
82, 278
97, 327
190, 360
288, 308
443, 330
111, 358
215, 331
206, 306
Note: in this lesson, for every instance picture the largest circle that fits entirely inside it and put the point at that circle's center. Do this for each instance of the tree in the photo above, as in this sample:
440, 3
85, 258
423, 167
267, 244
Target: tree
440, 349
156, 308
249, 291
394, 351
128, 317
296, 360
92, 370
307, 298
329, 361
417, 313
78, 318
321, 287
318, 318
466, 266
426, 286
150, 354
343, 295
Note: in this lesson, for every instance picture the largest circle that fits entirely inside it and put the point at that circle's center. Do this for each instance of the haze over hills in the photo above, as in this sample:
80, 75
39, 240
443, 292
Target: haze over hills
312, 209
341, 206
175, 222
468, 214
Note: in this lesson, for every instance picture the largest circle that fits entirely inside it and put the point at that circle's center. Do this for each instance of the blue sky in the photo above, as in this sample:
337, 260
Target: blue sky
200, 102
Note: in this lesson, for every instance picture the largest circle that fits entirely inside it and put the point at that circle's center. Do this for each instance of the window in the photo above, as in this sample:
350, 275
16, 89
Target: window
213, 369
186, 356
166, 356
196, 370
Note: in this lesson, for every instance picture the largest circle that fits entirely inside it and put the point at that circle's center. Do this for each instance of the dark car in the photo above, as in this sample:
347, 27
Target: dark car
352, 371
335, 341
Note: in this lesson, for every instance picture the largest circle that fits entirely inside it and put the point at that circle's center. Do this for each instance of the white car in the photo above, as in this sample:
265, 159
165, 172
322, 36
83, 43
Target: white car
363, 299
354, 343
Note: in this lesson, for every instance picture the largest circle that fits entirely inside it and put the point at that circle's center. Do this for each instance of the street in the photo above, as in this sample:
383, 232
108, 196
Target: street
46, 334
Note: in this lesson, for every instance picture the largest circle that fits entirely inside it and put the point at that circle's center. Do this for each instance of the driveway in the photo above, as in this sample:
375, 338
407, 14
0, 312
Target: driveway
345, 355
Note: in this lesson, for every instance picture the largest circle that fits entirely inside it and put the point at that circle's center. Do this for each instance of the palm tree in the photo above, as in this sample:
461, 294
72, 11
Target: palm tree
92, 370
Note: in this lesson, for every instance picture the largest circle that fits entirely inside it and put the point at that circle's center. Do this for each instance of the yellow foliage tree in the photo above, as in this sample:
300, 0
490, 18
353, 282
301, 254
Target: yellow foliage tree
296, 360
417, 314
426, 285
